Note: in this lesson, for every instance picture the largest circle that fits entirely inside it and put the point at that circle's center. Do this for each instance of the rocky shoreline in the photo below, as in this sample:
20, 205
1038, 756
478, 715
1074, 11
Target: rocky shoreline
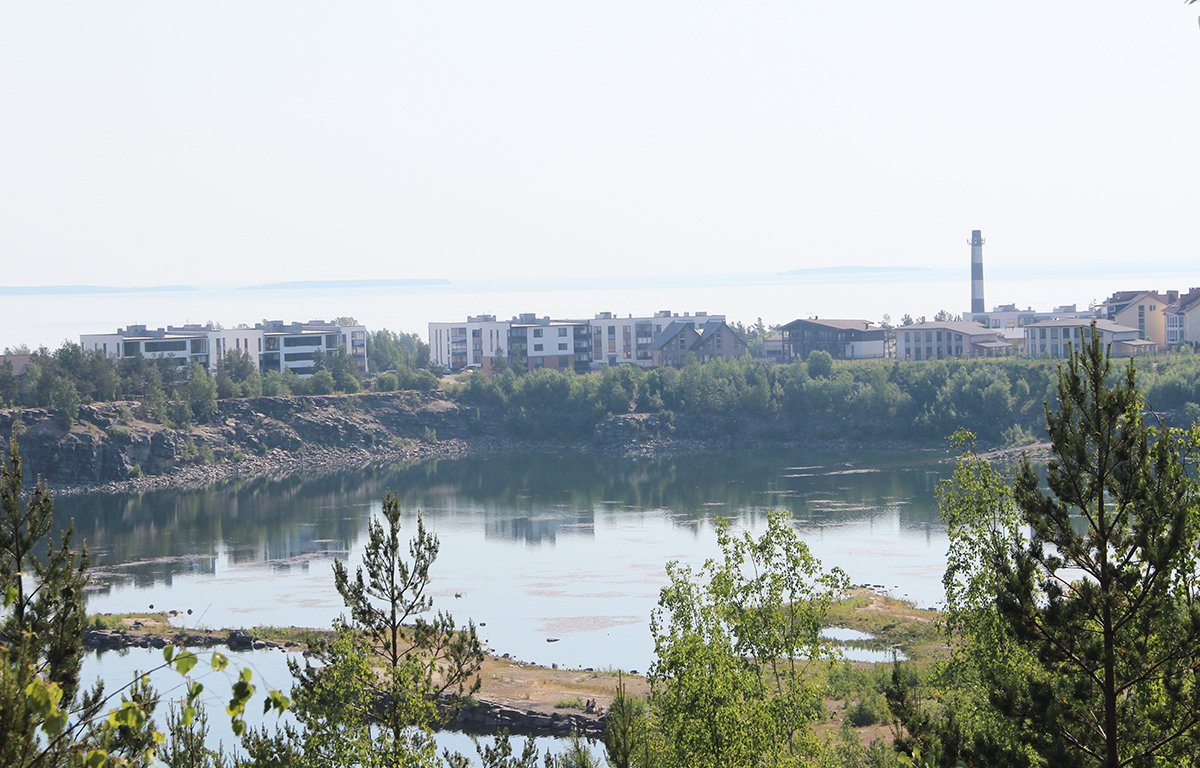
109, 450
479, 716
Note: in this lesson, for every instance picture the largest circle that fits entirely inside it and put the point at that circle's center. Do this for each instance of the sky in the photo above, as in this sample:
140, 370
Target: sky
237, 143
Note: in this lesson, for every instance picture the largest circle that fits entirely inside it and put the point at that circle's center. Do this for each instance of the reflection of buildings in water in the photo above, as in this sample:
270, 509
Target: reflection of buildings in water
147, 573
533, 530
300, 542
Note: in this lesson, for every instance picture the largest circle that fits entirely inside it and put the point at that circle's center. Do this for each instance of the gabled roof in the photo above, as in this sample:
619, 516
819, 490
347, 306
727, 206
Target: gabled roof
1124, 298
711, 328
841, 325
671, 331
1106, 326
19, 363
1188, 301
954, 326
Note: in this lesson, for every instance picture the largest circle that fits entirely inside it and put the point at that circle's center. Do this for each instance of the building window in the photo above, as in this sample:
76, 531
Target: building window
537, 333
562, 331
166, 346
562, 345
537, 347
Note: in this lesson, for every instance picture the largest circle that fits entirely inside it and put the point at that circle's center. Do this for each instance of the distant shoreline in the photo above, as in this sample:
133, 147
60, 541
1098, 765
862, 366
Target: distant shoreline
87, 290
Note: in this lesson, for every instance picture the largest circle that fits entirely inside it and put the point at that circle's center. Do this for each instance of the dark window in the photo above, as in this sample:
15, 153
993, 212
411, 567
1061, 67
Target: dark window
178, 345
294, 356
302, 341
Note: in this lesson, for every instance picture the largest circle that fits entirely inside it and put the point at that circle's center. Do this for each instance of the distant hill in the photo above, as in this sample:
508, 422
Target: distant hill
67, 290
853, 270
312, 284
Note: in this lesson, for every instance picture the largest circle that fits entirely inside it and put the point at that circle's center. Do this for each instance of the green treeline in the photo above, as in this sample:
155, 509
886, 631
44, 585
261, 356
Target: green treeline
171, 393
1000, 400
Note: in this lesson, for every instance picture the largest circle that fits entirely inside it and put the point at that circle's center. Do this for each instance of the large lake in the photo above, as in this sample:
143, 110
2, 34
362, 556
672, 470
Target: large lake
539, 546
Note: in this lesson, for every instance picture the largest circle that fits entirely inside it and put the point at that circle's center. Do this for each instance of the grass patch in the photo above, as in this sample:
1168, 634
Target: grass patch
153, 621
893, 622
299, 635
572, 703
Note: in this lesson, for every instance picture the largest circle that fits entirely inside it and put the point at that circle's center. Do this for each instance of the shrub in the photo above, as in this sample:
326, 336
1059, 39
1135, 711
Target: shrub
429, 435
572, 703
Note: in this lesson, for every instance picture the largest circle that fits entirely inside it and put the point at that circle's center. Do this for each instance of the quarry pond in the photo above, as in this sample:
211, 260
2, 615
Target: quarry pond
558, 557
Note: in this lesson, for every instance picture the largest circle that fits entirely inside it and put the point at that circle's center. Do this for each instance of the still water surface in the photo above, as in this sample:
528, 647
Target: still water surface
539, 546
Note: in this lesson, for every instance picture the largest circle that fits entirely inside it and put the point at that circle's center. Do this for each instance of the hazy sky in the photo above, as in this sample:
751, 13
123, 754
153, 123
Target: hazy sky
243, 142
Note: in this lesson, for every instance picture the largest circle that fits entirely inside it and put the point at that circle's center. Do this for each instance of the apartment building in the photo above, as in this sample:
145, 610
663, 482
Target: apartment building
475, 343
617, 340
535, 343
945, 340
1010, 322
1055, 338
1143, 310
1182, 318
842, 339
274, 345
712, 340
528, 342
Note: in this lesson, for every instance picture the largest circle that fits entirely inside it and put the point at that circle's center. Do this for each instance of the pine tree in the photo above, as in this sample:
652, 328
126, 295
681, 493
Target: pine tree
42, 629
1087, 630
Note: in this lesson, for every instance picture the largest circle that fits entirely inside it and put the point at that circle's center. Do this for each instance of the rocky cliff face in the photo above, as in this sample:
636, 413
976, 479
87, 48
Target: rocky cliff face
107, 444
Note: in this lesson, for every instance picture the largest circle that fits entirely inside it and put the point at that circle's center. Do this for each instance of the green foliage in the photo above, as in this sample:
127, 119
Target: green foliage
626, 729
387, 382
429, 436
572, 703
321, 383
354, 713
1084, 637
65, 400
732, 643
820, 364
44, 718
202, 393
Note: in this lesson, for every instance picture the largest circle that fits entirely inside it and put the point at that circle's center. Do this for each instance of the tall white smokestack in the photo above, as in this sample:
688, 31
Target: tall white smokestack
977, 242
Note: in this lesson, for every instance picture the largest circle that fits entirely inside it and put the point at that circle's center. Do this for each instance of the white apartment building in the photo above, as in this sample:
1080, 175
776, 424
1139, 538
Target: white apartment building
1010, 322
471, 344
274, 345
528, 342
617, 340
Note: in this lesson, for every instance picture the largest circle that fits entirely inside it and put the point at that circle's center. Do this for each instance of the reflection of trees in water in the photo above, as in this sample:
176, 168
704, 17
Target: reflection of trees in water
689, 488
168, 533
530, 497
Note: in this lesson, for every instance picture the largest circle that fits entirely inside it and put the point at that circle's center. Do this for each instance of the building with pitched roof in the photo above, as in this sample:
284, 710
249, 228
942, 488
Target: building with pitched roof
950, 339
1055, 339
1182, 319
1142, 310
842, 339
